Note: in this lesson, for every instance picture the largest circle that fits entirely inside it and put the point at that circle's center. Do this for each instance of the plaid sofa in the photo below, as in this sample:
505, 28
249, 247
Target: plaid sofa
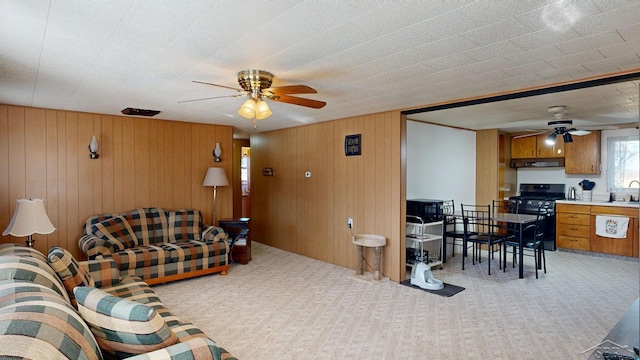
157, 245
38, 320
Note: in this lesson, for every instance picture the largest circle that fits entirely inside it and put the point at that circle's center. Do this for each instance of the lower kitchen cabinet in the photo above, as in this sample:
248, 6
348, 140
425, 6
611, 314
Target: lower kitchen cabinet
573, 226
576, 229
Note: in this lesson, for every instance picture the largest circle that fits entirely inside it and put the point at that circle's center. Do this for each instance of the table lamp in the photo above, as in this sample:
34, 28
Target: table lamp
29, 218
215, 177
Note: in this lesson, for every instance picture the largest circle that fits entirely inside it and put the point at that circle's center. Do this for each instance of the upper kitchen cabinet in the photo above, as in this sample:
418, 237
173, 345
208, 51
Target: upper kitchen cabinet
582, 156
523, 147
534, 146
545, 150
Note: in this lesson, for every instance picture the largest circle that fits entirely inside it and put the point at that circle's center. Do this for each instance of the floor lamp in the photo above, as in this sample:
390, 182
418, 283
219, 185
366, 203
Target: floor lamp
30, 218
215, 177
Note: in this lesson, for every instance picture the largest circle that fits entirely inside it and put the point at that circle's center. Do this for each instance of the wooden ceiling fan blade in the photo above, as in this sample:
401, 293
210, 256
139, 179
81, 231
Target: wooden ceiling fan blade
299, 101
291, 89
210, 98
218, 85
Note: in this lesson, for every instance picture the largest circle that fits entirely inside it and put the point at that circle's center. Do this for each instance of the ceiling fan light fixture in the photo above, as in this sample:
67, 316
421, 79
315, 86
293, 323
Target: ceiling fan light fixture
551, 140
567, 137
248, 109
262, 110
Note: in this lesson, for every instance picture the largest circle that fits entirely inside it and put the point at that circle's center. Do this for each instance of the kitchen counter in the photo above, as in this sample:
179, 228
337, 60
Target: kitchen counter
600, 203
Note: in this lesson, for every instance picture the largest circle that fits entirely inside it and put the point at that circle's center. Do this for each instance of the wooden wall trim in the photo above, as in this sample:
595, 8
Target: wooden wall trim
143, 163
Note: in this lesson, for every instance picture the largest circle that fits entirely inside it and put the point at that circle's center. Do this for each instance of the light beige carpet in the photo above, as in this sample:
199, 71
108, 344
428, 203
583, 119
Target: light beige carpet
286, 306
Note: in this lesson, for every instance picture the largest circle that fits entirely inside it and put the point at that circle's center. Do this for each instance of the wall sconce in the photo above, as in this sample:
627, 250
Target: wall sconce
93, 148
217, 152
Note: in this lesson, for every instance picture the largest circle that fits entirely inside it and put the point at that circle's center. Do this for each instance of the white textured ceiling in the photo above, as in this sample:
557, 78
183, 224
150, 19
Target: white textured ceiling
361, 56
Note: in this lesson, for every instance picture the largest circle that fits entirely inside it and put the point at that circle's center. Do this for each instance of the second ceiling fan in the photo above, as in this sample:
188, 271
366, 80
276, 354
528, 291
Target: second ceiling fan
562, 126
256, 84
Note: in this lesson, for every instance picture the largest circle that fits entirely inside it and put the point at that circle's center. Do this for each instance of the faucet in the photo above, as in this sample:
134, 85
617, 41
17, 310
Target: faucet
631, 183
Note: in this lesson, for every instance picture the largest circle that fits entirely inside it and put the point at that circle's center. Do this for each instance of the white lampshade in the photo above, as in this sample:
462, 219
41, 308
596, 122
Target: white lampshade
248, 109
29, 218
215, 177
262, 110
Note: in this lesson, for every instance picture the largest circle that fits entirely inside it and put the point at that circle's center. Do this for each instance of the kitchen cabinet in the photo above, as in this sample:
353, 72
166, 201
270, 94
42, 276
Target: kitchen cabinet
573, 226
625, 246
576, 229
582, 156
535, 146
524, 147
549, 151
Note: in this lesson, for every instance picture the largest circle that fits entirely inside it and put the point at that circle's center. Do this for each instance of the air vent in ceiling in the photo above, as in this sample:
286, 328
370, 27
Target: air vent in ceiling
140, 112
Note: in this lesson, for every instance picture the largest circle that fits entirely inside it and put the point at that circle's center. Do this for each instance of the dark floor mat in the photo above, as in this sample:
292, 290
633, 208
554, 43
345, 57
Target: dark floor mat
447, 290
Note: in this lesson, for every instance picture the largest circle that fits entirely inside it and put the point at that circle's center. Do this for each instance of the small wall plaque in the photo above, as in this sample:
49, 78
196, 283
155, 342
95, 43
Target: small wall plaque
352, 145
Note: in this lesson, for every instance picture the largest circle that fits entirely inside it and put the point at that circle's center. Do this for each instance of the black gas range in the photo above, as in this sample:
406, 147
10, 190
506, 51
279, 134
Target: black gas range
541, 196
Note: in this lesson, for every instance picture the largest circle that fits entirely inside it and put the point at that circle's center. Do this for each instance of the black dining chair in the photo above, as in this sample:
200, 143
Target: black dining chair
532, 243
453, 227
503, 206
479, 230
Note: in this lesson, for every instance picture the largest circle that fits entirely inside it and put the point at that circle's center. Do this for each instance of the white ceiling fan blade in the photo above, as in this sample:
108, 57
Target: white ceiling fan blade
579, 132
532, 134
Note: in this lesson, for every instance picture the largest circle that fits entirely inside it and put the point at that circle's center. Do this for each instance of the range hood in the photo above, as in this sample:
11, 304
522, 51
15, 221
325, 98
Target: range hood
537, 163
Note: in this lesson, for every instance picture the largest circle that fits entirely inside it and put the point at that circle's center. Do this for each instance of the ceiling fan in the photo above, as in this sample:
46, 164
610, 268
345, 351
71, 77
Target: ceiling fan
562, 126
256, 84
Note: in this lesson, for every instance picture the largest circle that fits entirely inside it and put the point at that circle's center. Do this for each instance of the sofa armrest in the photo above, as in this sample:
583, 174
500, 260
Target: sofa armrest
93, 246
214, 234
199, 348
104, 272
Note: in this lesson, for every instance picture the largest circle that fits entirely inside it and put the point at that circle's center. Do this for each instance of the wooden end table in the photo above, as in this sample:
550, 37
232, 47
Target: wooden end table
239, 239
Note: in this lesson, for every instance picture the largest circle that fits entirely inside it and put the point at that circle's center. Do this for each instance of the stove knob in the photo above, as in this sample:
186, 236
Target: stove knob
539, 203
547, 203
529, 202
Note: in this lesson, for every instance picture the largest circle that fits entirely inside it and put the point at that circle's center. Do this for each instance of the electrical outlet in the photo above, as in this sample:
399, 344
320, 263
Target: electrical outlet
349, 223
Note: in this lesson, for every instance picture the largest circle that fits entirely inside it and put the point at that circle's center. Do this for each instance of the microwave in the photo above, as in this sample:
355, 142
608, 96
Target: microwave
429, 210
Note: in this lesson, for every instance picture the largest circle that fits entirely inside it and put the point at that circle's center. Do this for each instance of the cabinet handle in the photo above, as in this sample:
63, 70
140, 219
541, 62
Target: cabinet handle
574, 229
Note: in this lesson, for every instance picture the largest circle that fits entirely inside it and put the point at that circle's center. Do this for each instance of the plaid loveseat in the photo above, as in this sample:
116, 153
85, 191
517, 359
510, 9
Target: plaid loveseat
39, 320
157, 245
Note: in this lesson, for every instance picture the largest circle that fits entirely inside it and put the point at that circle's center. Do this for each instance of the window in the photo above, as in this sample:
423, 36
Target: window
623, 163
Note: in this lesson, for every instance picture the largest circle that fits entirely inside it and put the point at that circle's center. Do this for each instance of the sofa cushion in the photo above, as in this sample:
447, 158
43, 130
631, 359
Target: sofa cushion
135, 289
37, 323
31, 269
104, 272
184, 225
190, 250
192, 349
122, 327
141, 256
160, 226
117, 231
69, 271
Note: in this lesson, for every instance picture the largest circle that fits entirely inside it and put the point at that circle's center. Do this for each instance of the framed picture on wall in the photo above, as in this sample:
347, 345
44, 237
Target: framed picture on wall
352, 145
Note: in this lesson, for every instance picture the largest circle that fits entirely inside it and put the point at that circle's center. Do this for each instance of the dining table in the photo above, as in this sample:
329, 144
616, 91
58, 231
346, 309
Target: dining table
520, 220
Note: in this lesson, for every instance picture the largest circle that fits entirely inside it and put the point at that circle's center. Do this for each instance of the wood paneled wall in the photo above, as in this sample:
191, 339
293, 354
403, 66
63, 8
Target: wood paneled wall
487, 162
308, 216
143, 163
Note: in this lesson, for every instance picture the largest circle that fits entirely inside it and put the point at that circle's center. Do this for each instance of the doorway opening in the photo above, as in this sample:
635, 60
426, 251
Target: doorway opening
241, 178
